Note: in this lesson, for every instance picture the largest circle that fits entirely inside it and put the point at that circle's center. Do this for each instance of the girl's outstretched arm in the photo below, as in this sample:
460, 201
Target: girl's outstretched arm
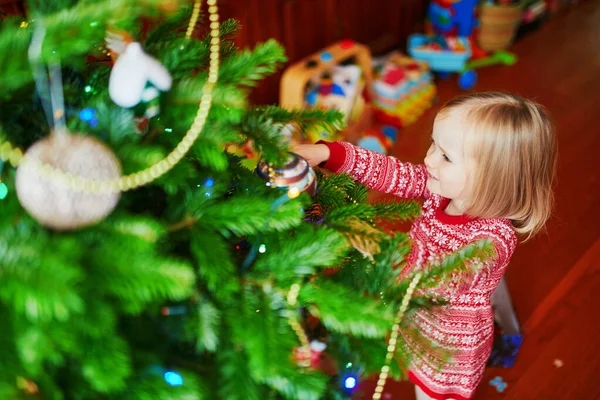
376, 171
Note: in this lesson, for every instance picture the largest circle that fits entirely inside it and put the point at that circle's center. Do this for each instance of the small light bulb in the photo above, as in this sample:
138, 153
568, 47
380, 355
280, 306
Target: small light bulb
3, 191
87, 114
293, 192
173, 378
350, 382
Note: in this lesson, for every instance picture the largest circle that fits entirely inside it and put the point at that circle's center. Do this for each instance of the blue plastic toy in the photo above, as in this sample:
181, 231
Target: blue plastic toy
439, 61
444, 62
452, 17
499, 383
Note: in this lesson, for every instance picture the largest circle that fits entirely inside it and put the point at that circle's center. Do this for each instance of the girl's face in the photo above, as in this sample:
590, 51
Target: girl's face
446, 163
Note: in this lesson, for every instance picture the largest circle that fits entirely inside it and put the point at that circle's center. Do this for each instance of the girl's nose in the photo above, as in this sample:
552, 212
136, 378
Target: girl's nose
429, 160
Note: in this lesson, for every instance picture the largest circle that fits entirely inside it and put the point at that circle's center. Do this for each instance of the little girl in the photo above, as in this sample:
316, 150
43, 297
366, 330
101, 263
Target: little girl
488, 174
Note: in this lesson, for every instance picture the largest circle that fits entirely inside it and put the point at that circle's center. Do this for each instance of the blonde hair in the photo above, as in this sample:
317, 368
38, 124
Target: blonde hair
512, 143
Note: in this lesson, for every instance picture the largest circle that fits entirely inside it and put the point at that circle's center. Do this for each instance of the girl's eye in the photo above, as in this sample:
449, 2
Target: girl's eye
446, 158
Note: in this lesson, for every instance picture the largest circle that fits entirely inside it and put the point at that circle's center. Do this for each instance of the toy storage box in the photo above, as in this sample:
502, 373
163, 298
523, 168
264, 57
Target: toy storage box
439, 61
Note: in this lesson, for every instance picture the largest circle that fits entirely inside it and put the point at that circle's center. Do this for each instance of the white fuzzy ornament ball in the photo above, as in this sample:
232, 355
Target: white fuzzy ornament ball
51, 202
132, 71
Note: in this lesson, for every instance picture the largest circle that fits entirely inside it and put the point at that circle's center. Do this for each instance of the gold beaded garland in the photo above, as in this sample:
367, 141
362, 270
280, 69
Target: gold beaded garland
193, 19
394, 336
304, 349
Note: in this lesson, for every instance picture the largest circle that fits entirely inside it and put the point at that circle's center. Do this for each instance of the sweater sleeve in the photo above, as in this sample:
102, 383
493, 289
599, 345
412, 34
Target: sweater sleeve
377, 171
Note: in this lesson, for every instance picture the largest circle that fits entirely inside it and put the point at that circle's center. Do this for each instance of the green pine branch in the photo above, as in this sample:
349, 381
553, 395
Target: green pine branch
107, 365
300, 253
334, 190
170, 29
248, 67
268, 340
365, 357
391, 211
214, 263
209, 324
182, 56
261, 329
208, 150
135, 157
151, 385
235, 380
115, 124
250, 215
40, 275
343, 310
330, 120
128, 270
308, 385
381, 275
189, 91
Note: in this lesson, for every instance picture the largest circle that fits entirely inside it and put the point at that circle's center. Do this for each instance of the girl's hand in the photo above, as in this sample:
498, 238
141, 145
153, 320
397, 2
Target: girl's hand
315, 154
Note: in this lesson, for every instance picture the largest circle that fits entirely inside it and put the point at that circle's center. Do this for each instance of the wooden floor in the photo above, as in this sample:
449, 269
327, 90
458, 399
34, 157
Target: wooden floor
554, 279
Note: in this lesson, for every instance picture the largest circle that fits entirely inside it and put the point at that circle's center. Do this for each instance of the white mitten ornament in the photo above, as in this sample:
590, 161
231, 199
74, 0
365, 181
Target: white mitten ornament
136, 76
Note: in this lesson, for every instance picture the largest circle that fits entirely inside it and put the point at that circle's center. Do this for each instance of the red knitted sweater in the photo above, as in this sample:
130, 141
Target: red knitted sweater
464, 327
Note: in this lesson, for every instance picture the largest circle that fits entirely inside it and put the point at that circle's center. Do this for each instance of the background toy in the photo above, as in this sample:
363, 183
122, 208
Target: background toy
445, 62
339, 89
379, 138
402, 90
508, 336
332, 78
453, 59
451, 17
498, 25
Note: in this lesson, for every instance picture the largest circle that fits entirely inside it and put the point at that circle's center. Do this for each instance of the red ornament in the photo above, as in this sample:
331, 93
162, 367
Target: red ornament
312, 357
330, 271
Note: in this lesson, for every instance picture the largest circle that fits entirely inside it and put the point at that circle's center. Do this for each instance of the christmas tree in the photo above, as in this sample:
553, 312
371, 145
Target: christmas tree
206, 280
